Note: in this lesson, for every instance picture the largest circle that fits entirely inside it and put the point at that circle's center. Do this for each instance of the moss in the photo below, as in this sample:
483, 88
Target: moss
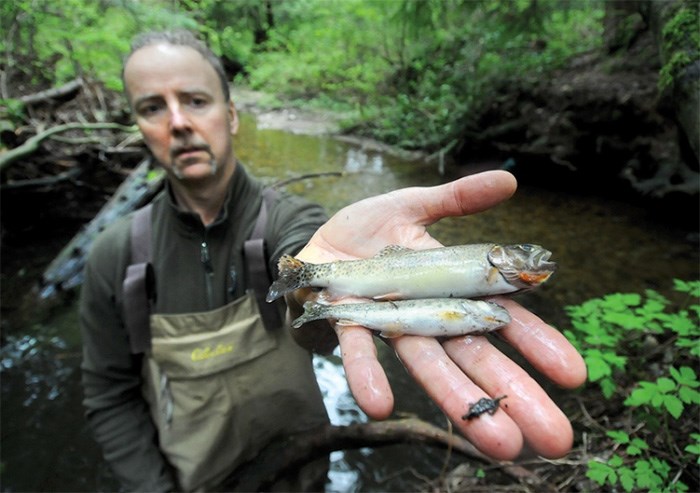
681, 43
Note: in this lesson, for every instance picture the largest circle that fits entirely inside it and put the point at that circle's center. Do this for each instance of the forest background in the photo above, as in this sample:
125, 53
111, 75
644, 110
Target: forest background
593, 94
601, 89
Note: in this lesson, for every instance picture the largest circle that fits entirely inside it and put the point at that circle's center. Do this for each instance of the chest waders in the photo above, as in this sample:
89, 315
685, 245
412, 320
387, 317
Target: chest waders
220, 384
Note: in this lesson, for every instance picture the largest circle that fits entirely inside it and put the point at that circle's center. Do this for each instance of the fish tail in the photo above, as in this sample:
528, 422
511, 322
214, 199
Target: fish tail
312, 311
290, 277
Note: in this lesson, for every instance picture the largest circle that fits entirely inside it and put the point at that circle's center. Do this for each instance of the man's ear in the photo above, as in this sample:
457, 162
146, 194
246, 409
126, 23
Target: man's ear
233, 116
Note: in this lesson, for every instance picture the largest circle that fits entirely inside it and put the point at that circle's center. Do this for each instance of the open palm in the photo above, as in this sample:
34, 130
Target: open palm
461, 370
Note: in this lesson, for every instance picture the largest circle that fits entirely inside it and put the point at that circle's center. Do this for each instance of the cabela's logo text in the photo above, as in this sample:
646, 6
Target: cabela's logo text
201, 354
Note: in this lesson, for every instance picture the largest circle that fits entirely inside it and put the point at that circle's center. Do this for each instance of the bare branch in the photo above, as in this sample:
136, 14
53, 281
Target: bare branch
32, 144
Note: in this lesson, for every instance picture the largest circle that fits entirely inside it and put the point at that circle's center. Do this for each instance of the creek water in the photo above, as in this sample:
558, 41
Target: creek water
601, 245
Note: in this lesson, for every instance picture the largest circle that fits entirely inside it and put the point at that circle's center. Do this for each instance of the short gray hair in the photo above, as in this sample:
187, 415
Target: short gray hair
180, 38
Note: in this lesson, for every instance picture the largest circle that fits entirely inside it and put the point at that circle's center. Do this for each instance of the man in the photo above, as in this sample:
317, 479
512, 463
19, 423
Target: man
167, 422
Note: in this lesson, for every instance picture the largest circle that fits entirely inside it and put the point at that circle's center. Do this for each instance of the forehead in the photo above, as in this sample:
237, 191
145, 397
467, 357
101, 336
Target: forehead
159, 68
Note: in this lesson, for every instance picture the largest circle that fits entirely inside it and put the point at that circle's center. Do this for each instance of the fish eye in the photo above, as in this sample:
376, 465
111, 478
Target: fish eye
527, 247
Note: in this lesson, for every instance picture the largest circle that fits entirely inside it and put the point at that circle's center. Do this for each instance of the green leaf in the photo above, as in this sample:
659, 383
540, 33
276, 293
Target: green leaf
608, 387
597, 366
619, 436
636, 446
625, 320
693, 448
673, 405
641, 395
685, 376
615, 461
688, 395
627, 478
660, 466
601, 473
690, 287
665, 385
622, 301
646, 477
681, 324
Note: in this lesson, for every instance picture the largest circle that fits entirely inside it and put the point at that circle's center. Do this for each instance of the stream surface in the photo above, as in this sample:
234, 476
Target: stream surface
600, 245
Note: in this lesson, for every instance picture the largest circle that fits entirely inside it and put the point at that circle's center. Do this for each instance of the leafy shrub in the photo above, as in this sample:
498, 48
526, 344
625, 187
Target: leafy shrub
625, 339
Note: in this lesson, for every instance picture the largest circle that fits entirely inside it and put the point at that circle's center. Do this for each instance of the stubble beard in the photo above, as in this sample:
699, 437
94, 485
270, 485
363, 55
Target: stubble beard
177, 171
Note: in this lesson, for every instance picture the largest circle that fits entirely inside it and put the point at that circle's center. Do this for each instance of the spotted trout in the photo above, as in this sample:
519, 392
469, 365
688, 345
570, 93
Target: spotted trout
444, 317
395, 273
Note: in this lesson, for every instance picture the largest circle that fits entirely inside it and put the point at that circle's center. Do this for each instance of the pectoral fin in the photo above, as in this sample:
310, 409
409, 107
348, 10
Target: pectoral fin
387, 297
493, 275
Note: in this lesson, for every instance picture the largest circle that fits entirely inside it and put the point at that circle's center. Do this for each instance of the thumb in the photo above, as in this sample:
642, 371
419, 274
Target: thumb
468, 195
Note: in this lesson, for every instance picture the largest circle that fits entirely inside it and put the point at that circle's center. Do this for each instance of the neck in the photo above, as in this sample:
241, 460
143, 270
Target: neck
204, 198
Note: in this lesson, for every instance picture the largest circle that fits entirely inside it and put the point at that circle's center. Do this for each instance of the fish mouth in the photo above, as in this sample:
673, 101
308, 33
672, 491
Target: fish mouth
541, 262
541, 268
524, 265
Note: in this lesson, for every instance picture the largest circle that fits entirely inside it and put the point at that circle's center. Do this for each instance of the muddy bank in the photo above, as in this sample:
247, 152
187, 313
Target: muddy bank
272, 115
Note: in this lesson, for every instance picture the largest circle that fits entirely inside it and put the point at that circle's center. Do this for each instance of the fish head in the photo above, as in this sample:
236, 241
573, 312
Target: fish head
524, 266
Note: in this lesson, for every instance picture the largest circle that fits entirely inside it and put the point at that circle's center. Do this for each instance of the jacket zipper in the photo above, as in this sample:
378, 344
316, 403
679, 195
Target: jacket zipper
208, 271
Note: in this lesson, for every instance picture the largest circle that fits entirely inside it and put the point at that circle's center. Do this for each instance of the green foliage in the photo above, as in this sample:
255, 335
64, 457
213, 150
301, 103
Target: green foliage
652, 474
415, 71
49, 41
694, 448
601, 326
681, 43
668, 394
409, 73
622, 337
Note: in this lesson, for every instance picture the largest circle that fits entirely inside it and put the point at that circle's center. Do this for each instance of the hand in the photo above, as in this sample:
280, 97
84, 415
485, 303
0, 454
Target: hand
461, 370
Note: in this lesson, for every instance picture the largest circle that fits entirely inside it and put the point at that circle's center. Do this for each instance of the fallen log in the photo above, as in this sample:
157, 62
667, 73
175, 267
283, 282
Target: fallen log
66, 270
32, 144
278, 461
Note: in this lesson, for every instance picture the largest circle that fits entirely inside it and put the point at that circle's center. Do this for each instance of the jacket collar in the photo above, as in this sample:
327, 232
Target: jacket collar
240, 190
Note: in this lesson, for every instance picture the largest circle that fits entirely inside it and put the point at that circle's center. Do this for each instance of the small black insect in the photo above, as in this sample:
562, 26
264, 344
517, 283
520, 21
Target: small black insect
483, 405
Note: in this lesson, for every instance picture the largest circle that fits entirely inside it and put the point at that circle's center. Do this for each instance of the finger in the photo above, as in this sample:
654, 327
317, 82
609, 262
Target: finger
496, 435
468, 195
366, 378
543, 425
543, 346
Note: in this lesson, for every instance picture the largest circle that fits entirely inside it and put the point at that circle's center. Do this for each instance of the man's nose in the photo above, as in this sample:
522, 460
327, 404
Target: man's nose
179, 121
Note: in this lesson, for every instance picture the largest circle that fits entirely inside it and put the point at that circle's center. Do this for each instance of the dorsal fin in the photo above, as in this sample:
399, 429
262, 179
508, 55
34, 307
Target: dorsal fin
393, 250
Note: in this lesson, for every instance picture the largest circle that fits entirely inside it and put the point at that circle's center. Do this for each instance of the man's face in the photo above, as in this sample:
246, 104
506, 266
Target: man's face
181, 110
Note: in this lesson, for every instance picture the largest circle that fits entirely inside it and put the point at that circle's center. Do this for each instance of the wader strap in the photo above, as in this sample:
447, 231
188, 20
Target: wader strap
138, 285
257, 265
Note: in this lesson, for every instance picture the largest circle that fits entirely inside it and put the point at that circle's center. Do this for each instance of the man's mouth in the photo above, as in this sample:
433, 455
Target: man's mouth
185, 152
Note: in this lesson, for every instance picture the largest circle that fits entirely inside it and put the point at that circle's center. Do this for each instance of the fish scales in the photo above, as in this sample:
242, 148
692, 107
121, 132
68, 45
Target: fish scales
443, 317
463, 271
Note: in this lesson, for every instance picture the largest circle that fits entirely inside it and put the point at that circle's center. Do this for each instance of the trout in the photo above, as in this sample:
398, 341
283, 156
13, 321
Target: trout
444, 317
395, 273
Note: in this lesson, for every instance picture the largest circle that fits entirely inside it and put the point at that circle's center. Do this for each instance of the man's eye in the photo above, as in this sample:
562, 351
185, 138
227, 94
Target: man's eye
149, 109
197, 102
